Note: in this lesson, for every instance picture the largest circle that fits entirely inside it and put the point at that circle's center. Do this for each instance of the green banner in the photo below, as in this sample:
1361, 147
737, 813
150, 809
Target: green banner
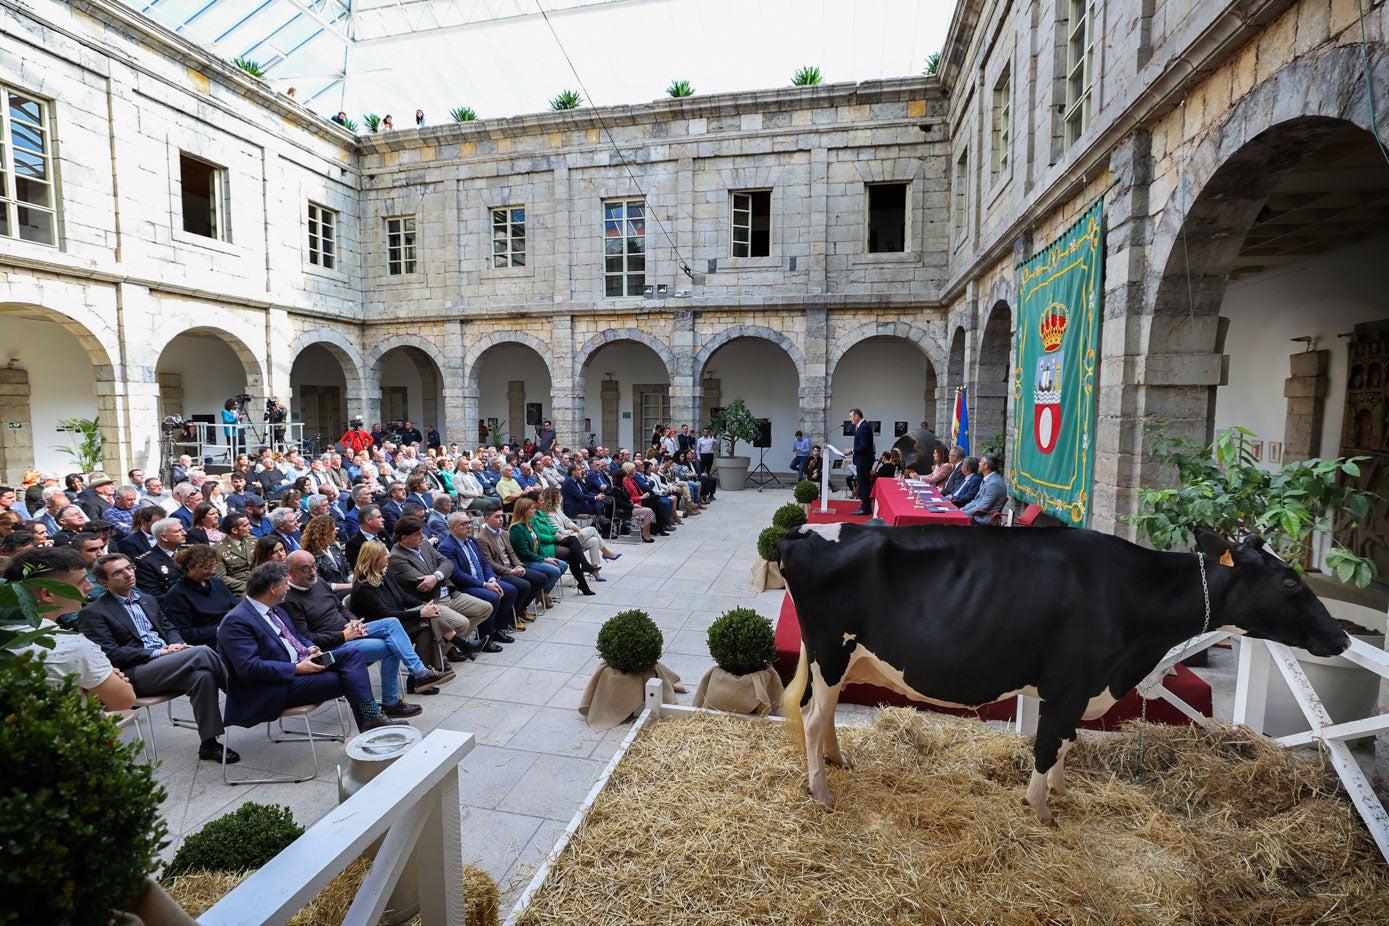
1057, 346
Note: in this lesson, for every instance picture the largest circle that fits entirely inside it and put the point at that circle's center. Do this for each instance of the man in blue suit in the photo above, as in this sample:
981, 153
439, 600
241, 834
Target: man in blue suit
270, 667
863, 456
993, 492
473, 575
578, 500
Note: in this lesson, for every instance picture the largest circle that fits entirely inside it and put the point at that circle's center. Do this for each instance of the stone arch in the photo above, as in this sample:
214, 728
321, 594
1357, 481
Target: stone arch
418, 342
896, 329
759, 332
257, 382
991, 368
584, 353
430, 366
1229, 173
472, 357
337, 344
955, 366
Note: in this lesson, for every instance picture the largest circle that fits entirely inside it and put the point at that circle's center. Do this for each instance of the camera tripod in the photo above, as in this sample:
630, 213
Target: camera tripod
762, 472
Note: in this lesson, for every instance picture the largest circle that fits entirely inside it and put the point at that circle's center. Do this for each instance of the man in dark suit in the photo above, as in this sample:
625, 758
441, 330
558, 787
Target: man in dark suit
188, 499
139, 541
371, 526
134, 635
578, 500
394, 507
155, 571
863, 456
473, 575
270, 667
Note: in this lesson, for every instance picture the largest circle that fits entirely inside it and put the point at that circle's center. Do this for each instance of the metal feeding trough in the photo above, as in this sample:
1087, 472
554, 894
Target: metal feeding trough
368, 754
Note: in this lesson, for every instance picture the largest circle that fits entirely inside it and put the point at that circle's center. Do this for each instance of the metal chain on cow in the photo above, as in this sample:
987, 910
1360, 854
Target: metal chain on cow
1143, 702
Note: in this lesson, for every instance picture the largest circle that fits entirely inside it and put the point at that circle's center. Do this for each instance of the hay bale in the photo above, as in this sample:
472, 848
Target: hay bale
706, 821
198, 891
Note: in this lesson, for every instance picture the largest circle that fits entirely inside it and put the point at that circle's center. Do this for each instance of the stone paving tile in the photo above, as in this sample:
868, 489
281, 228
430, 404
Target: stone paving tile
554, 786
488, 773
558, 732
493, 840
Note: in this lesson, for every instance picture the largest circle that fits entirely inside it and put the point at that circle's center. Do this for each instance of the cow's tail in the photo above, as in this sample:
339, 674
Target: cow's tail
791, 701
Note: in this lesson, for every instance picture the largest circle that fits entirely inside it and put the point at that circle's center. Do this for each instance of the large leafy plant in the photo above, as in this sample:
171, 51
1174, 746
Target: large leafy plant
734, 423
87, 451
1221, 487
21, 615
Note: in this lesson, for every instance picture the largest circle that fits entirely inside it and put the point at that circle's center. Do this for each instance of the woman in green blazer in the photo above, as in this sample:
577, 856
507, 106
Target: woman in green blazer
529, 545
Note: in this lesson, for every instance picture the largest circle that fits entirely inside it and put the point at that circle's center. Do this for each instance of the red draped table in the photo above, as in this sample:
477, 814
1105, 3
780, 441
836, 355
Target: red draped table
897, 504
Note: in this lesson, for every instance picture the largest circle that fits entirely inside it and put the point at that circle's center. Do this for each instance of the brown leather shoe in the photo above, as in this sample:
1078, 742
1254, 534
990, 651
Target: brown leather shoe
430, 679
401, 709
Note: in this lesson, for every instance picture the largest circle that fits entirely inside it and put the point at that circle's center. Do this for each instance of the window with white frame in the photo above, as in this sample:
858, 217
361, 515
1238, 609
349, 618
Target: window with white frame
624, 247
202, 187
887, 227
323, 236
1080, 67
400, 244
751, 232
1001, 125
509, 237
28, 199
959, 212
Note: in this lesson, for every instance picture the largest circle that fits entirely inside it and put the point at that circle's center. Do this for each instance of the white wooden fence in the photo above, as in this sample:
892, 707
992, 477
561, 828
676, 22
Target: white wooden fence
414, 803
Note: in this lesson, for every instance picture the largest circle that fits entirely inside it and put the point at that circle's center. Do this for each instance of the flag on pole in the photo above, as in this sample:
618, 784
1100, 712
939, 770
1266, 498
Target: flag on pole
959, 424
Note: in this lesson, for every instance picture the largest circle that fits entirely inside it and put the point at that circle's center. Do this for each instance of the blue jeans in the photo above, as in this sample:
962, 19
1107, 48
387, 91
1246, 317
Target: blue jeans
387, 643
694, 492
798, 464
551, 572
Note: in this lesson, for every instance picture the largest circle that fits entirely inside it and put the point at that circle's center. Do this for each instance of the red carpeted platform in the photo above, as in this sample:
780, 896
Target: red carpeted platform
1185, 684
839, 511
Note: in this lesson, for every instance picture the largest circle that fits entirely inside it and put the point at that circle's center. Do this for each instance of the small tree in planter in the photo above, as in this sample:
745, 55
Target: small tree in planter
789, 516
743, 645
733, 423
630, 646
766, 572
79, 816
807, 493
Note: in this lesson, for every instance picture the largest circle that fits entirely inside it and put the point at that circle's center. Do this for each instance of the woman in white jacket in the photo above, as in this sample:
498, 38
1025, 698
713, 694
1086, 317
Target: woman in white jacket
551, 504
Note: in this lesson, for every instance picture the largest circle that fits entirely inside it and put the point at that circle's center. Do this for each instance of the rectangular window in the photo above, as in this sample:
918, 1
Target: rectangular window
202, 189
27, 197
1002, 124
400, 244
395, 403
624, 247
959, 213
887, 217
752, 224
509, 237
1080, 67
653, 408
323, 236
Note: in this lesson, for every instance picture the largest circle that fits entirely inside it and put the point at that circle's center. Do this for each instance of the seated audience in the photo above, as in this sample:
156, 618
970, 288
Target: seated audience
139, 540
235, 552
268, 550
957, 473
563, 550
377, 594
993, 492
155, 570
205, 528
422, 572
495, 542
643, 515
122, 510
72, 654
565, 527
270, 667
137, 637
196, 603
943, 466
319, 616
969, 485
473, 575
320, 540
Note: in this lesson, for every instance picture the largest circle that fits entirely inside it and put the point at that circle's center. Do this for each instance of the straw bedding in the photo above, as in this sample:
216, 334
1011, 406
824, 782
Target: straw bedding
706, 821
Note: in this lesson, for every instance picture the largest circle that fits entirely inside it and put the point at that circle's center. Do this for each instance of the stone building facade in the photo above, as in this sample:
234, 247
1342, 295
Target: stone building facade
800, 231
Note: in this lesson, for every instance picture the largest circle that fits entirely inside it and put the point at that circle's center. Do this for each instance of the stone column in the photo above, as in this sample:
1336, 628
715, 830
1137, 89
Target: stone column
16, 423
814, 393
449, 420
1305, 391
685, 391
567, 410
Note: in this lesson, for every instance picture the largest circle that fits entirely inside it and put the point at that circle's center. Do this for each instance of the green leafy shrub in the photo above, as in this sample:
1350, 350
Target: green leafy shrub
373, 122
79, 818
932, 63
86, 453
742, 641
807, 492
250, 67
567, 99
734, 423
350, 125
806, 76
789, 516
630, 642
246, 838
679, 88
463, 114
767, 542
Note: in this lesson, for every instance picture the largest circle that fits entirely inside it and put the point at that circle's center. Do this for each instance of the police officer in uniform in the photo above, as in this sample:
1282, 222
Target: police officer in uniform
155, 570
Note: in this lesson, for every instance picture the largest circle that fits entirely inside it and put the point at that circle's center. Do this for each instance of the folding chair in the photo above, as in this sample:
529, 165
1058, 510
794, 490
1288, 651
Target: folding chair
290, 736
142, 707
131, 718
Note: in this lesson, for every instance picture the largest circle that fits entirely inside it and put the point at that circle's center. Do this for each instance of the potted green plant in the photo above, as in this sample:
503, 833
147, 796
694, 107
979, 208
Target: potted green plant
680, 88
79, 816
87, 451
733, 423
567, 99
742, 680
806, 76
373, 122
807, 493
629, 647
1222, 487
463, 114
766, 572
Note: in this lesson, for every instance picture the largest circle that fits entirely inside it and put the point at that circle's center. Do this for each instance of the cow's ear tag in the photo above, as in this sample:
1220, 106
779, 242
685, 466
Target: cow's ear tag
1226, 559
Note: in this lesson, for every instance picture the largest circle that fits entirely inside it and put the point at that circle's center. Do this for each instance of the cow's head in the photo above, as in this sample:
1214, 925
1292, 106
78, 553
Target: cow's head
1267, 599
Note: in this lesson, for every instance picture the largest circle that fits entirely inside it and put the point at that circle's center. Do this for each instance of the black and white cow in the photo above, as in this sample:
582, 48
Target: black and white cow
962, 616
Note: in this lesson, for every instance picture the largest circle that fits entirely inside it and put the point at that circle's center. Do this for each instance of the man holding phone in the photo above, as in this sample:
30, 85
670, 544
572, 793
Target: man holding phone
270, 667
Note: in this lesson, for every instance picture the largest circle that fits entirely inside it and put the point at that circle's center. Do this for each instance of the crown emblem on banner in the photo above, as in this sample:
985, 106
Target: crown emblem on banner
1053, 326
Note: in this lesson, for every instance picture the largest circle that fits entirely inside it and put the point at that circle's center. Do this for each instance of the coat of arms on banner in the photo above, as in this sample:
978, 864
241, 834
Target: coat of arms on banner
1046, 387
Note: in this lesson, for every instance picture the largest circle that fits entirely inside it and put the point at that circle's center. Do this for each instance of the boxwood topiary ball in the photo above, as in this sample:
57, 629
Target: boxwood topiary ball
630, 642
806, 491
742, 641
767, 542
244, 839
789, 517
